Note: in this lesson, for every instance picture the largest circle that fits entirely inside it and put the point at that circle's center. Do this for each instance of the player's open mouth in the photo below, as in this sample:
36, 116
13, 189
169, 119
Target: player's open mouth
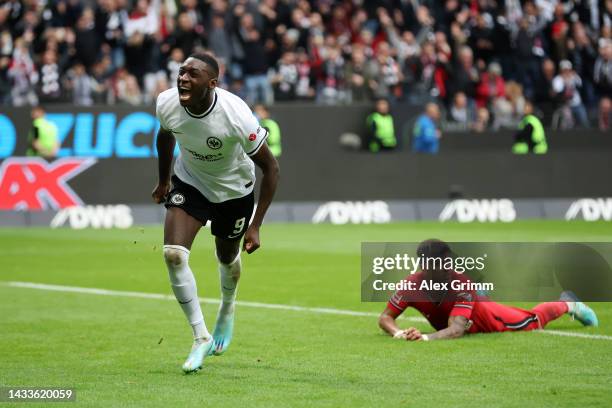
184, 93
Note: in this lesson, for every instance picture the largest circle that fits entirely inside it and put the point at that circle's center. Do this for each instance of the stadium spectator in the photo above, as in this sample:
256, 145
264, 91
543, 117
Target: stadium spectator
274, 134
100, 75
330, 85
42, 139
81, 85
426, 135
358, 77
49, 88
483, 118
460, 115
220, 41
602, 71
428, 72
464, 76
507, 111
544, 92
174, 64
381, 130
567, 87
559, 32
527, 43
126, 89
141, 26
185, 37
255, 63
285, 80
87, 41
583, 54
482, 36
491, 86
386, 73
304, 88
23, 75
111, 18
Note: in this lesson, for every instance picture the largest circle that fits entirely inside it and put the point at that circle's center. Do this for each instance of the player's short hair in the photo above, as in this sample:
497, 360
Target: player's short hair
433, 253
208, 60
433, 248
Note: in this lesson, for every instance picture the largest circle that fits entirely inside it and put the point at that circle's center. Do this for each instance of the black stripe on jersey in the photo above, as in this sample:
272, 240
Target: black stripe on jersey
212, 106
252, 152
519, 325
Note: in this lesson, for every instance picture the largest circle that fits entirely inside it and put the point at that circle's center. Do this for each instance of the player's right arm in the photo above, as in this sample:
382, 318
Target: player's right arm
387, 322
165, 151
387, 319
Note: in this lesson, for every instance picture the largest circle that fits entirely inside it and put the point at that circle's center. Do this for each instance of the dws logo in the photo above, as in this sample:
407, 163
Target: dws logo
591, 209
479, 210
94, 216
353, 212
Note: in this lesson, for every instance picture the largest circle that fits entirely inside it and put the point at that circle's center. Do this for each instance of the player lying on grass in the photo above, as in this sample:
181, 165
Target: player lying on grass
214, 177
453, 313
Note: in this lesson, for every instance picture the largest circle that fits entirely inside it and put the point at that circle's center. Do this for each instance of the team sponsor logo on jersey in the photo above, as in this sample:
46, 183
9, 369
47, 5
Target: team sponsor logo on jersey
94, 216
353, 212
479, 210
206, 157
177, 199
214, 143
590, 209
33, 184
252, 137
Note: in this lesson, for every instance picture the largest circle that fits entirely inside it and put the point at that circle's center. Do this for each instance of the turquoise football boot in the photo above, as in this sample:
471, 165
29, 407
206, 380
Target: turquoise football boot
196, 356
224, 329
582, 312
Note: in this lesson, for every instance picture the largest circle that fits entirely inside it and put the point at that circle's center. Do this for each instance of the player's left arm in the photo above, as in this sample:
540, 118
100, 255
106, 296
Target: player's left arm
271, 171
457, 327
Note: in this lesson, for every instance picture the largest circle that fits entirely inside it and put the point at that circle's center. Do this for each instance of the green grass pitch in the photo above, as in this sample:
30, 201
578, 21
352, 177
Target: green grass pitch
121, 351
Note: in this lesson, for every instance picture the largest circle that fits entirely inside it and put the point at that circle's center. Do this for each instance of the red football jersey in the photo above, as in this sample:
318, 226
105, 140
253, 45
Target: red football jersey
485, 316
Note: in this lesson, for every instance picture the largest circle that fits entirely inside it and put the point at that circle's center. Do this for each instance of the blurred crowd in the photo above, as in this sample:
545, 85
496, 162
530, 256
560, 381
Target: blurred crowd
481, 60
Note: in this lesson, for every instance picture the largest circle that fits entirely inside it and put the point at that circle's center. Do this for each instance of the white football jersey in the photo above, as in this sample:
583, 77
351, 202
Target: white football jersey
215, 145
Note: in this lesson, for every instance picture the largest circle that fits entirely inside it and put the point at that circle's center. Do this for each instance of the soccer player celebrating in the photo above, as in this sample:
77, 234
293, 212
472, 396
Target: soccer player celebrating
454, 313
214, 177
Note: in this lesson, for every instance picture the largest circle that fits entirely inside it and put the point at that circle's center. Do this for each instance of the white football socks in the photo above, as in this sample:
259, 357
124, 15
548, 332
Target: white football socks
185, 289
571, 307
228, 276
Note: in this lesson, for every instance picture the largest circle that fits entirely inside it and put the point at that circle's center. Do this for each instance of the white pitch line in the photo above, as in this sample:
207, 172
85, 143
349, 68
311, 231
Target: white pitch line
320, 310
142, 295
574, 334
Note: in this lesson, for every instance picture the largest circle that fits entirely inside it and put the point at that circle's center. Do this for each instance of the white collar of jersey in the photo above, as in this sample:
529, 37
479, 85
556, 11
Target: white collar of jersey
200, 116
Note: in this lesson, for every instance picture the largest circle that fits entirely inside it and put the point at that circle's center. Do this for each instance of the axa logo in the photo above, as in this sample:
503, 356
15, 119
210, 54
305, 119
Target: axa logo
353, 212
30, 183
94, 216
590, 209
479, 210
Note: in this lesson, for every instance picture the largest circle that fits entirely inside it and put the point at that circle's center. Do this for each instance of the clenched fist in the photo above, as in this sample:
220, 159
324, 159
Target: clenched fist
160, 192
